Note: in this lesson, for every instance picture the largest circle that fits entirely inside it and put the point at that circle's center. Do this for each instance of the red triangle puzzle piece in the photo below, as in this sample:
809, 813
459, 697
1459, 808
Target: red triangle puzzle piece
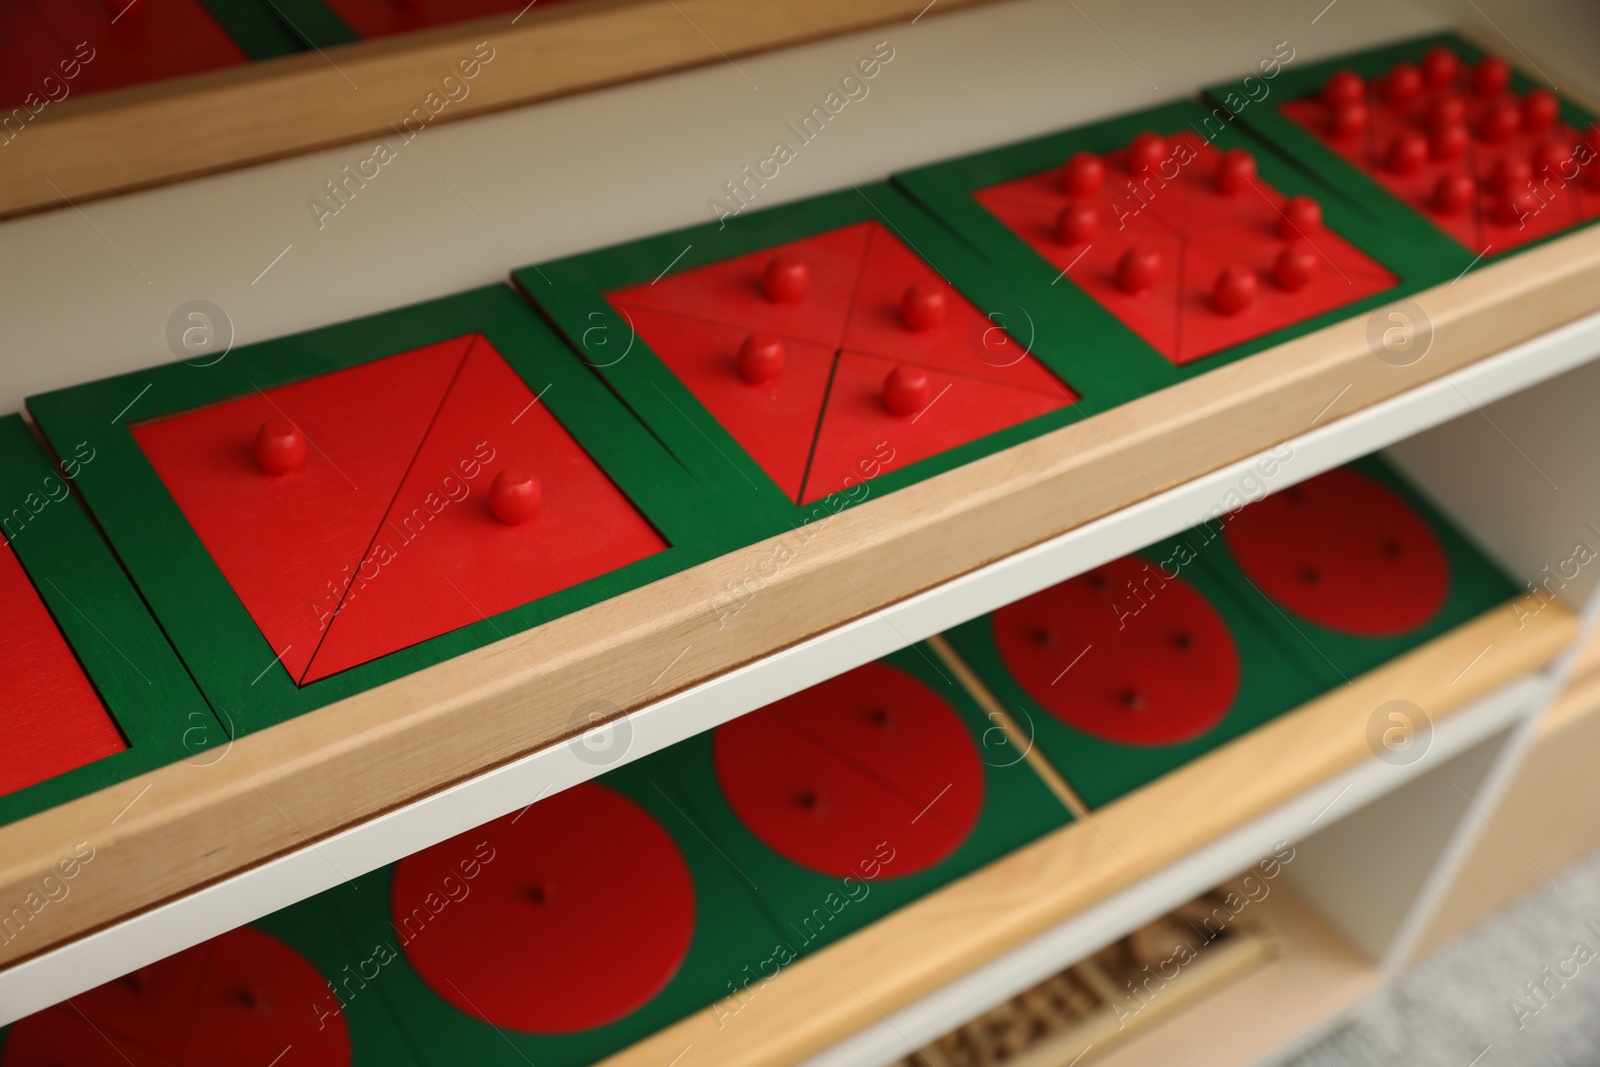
441, 560
860, 438
775, 423
53, 720
288, 544
730, 291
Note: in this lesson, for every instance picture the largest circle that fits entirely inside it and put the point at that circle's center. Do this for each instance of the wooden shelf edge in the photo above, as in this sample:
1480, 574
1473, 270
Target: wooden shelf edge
288, 787
133, 138
825, 998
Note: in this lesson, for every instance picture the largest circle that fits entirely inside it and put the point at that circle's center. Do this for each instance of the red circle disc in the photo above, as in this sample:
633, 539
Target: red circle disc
1345, 552
1125, 652
870, 764
582, 909
239, 998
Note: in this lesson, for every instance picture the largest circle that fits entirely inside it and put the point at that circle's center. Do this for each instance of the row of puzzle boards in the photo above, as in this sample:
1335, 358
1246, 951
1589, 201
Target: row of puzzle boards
686, 880
51, 50
305, 518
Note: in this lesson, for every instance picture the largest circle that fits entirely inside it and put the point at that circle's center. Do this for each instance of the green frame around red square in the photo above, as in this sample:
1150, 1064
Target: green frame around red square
1419, 255
812, 909
133, 669
207, 622
1340, 178
572, 292
732, 940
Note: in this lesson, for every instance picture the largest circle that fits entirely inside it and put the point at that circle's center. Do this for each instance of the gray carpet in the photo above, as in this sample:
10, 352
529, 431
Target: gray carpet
1458, 1007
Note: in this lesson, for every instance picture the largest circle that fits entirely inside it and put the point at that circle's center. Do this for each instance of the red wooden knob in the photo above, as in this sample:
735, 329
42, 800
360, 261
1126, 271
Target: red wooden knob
923, 306
1407, 154
1347, 120
907, 390
1082, 174
1344, 87
1302, 217
1500, 120
280, 446
1512, 207
1553, 156
1076, 224
1146, 152
1445, 111
1236, 172
761, 358
1440, 66
514, 496
1235, 289
1138, 269
1510, 173
785, 279
1402, 85
1453, 194
1448, 141
1540, 109
1490, 76
1296, 264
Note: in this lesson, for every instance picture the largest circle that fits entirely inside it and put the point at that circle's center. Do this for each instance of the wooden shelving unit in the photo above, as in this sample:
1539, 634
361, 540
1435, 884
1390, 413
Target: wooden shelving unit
198, 848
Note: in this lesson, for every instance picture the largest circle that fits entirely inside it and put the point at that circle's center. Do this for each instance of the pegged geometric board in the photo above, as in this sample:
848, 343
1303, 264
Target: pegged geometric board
1195, 240
812, 355
1438, 133
94, 694
314, 515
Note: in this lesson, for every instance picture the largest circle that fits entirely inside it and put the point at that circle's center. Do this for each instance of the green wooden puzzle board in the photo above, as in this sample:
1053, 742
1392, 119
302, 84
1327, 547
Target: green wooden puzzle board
1273, 679
731, 933
132, 667
571, 292
1418, 254
218, 640
1018, 808
1340, 178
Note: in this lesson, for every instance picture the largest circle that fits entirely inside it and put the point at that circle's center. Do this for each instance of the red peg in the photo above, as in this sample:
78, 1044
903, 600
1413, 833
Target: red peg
1139, 268
1512, 207
1440, 67
1553, 156
1146, 152
1407, 154
1235, 289
1402, 85
280, 446
907, 390
1445, 111
1302, 216
1296, 265
1449, 141
514, 496
923, 306
1344, 87
1500, 120
1453, 193
1490, 77
1076, 224
1347, 120
761, 358
1540, 109
785, 279
1082, 174
1510, 173
1236, 172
